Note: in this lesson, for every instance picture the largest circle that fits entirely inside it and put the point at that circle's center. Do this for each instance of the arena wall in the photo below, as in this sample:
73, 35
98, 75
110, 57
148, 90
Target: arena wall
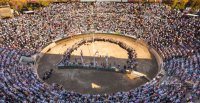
156, 55
142, 42
41, 54
151, 50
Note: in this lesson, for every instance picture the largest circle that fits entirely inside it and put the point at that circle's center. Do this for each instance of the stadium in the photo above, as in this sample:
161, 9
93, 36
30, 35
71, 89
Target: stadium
93, 51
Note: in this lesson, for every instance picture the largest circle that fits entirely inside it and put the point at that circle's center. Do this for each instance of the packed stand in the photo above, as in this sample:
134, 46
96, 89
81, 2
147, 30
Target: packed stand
175, 37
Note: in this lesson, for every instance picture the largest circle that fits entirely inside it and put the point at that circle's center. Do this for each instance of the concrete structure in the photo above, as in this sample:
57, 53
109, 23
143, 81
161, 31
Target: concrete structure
6, 12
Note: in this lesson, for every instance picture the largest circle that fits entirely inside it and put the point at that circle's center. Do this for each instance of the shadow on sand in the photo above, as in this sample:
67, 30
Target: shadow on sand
81, 80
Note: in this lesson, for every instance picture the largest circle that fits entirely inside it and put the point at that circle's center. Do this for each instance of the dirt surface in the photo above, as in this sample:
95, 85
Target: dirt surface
80, 80
114, 53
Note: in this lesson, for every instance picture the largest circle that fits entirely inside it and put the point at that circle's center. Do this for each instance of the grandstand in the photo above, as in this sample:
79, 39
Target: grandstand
165, 34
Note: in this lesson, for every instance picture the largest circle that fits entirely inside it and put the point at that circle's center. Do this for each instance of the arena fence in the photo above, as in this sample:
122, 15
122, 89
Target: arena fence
109, 69
153, 51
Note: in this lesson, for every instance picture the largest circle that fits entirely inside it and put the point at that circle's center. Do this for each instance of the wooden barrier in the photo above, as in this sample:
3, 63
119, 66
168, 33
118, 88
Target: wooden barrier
110, 69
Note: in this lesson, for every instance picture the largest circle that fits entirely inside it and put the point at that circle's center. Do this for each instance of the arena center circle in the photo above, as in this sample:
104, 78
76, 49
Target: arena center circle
93, 81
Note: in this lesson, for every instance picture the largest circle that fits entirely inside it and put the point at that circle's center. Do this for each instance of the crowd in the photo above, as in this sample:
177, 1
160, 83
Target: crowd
131, 62
175, 37
47, 74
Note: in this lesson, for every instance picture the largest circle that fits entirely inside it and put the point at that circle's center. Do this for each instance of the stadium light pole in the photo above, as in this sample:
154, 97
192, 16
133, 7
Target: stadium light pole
93, 49
82, 58
92, 27
106, 58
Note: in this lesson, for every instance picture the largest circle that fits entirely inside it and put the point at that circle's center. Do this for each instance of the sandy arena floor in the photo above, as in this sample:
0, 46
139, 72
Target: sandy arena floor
114, 53
80, 80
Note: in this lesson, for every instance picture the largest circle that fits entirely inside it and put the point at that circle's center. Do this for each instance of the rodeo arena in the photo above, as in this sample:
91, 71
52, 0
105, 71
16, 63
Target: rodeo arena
100, 52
